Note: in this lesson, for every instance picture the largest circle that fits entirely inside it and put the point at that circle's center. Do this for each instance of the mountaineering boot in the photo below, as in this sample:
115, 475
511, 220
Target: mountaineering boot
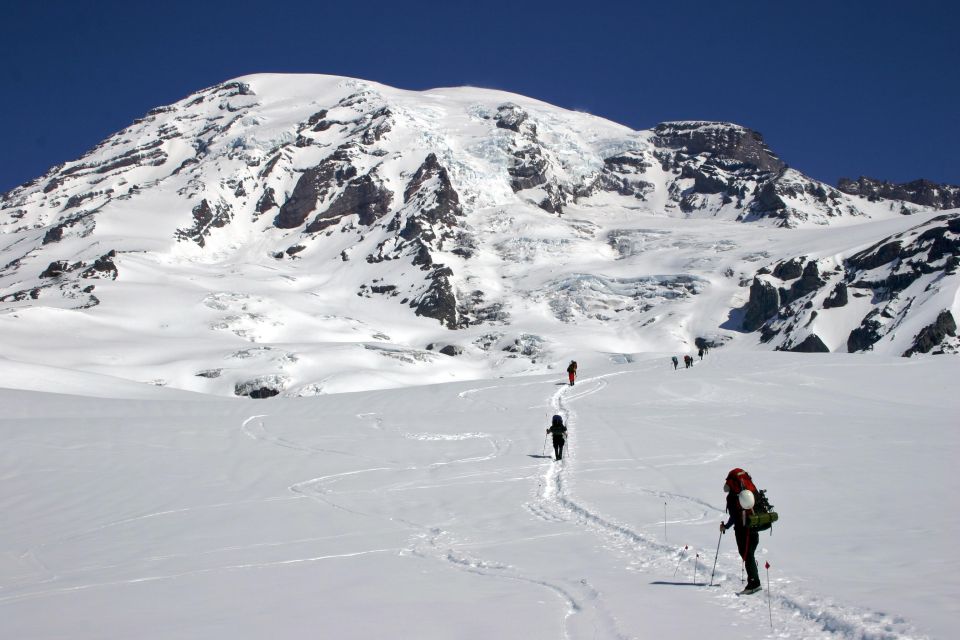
750, 588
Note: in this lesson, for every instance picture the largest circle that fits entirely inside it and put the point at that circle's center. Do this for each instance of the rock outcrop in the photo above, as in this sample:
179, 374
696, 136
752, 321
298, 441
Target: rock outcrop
891, 281
933, 335
921, 192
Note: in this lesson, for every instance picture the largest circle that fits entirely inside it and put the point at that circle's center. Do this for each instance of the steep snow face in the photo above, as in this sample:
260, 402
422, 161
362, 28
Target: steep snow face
308, 234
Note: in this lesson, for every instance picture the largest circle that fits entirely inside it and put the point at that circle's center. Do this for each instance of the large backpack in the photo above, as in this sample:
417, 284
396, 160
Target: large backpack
762, 516
557, 428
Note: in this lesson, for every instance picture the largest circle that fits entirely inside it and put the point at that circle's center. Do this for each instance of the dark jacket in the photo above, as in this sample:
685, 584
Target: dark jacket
559, 431
737, 517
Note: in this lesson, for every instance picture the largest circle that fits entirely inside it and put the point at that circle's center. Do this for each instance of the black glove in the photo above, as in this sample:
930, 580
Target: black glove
723, 528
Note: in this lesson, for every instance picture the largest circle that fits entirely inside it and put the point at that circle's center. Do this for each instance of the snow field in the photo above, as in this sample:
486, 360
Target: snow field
431, 511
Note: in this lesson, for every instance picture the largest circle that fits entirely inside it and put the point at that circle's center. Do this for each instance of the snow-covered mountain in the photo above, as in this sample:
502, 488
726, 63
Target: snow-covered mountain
311, 234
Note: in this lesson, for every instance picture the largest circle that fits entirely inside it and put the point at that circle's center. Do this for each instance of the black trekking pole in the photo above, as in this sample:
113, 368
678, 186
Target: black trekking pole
716, 555
682, 552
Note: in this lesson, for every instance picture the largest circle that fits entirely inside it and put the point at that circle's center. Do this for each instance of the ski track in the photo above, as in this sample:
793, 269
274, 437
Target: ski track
195, 572
259, 432
801, 614
435, 543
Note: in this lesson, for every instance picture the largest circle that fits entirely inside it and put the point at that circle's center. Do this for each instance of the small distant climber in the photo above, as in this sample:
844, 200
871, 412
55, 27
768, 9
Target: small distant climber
700, 353
687, 361
559, 431
572, 371
675, 362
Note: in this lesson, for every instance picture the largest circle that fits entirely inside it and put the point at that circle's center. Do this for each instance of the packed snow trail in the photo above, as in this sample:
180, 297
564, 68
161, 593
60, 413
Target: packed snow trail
799, 611
586, 614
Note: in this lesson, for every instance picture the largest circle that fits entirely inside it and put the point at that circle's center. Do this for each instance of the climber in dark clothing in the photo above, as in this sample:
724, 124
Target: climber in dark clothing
747, 540
559, 432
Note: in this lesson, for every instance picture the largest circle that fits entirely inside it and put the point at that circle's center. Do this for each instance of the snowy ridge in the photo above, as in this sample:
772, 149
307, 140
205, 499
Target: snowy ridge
301, 235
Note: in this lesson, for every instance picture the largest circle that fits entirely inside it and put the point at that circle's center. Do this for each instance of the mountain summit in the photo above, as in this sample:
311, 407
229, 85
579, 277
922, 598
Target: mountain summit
311, 234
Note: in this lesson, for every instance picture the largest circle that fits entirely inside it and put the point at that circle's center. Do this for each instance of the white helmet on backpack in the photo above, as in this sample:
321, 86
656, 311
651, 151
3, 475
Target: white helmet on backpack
746, 499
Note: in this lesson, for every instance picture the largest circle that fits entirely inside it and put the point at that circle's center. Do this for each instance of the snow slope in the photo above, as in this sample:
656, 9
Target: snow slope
431, 511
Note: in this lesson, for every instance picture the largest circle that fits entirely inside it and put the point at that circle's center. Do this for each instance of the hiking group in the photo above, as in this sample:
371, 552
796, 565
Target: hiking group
749, 510
687, 359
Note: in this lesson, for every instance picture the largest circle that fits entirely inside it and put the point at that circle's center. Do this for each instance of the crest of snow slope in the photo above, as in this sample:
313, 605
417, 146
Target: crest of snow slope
429, 512
270, 234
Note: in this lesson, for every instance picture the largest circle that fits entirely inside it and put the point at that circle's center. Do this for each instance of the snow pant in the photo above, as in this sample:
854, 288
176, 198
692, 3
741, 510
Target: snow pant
558, 442
747, 543
674, 366
572, 375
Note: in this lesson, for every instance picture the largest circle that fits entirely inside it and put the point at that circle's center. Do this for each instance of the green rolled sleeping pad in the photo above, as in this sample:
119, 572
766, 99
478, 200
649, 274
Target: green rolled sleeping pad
762, 521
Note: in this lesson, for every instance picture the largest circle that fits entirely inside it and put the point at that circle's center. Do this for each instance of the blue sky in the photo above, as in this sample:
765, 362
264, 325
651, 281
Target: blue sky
837, 88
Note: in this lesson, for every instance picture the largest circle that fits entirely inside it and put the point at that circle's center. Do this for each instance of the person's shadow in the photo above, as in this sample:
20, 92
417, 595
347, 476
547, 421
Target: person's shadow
535, 455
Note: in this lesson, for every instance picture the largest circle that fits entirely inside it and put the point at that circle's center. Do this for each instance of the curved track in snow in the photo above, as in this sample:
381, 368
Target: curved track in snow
799, 613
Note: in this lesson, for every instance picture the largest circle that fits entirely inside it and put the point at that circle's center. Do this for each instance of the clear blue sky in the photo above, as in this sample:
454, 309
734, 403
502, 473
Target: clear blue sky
837, 88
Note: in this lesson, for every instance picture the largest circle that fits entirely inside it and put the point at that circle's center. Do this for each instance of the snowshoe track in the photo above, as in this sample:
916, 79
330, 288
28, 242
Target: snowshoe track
801, 614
